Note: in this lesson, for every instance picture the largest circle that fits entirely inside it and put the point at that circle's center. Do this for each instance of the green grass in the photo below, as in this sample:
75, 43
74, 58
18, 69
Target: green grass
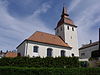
48, 71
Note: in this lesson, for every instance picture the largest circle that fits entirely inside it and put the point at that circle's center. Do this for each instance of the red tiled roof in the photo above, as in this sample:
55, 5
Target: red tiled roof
65, 19
11, 54
47, 38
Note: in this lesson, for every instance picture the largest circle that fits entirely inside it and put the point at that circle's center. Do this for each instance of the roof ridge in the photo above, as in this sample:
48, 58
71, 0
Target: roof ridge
89, 45
46, 33
92, 43
47, 38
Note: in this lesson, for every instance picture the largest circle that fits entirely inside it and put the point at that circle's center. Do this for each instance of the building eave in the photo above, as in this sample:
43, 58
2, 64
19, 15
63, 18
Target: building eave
21, 43
50, 44
43, 43
67, 24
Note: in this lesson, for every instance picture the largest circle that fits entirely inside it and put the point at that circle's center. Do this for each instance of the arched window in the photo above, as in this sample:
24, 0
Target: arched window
72, 54
18, 54
49, 52
62, 53
35, 49
68, 27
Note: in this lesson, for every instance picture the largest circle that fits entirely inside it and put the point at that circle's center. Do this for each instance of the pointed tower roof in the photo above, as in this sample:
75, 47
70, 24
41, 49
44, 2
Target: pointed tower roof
65, 19
64, 12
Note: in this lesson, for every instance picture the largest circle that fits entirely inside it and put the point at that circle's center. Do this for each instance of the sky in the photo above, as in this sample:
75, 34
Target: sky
21, 18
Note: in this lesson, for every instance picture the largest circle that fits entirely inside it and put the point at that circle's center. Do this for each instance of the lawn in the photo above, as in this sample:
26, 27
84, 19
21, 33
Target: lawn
48, 71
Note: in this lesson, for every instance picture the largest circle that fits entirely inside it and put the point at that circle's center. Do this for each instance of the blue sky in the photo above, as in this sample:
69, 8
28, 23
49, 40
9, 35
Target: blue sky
21, 18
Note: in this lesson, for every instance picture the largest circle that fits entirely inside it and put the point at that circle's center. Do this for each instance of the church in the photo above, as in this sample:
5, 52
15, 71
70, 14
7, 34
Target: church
63, 43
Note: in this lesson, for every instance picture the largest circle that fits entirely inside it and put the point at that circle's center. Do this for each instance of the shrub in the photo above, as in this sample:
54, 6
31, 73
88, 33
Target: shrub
40, 62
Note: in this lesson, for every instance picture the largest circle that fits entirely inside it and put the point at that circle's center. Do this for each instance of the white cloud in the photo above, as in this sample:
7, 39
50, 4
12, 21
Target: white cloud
14, 30
74, 4
86, 18
44, 9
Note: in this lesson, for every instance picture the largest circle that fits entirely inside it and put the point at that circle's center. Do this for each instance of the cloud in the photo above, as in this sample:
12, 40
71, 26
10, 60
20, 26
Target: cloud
14, 30
74, 4
44, 9
87, 18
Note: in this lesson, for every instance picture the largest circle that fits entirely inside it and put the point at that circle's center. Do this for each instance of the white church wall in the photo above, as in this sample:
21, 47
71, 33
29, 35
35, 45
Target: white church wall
42, 50
86, 52
60, 31
71, 38
21, 49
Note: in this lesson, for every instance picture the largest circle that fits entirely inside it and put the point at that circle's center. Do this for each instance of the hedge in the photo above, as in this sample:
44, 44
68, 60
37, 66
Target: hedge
48, 71
59, 62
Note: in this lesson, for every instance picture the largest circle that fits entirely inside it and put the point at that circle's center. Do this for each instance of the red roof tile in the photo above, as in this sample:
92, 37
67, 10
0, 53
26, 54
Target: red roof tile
47, 38
11, 54
65, 19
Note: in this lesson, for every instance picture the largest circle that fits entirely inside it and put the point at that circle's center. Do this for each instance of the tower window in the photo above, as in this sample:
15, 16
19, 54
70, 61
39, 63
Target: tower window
71, 37
72, 29
35, 49
68, 27
57, 30
61, 28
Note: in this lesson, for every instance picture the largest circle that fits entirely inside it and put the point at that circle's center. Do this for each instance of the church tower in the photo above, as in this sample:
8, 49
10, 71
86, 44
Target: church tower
67, 31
